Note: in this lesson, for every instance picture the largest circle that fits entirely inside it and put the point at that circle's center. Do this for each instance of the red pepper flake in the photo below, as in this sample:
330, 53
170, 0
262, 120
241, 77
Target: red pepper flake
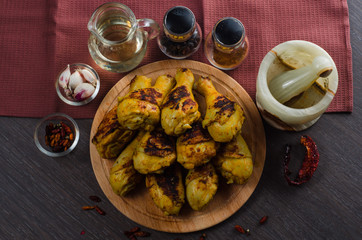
135, 229
88, 207
142, 234
58, 137
99, 210
131, 236
95, 198
128, 233
82, 232
310, 162
263, 219
136, 232
203, 236
240, 229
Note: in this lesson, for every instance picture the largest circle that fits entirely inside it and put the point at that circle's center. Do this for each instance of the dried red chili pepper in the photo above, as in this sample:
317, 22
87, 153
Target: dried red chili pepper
263, 219
135, 229
58, 136
142, 234
310, 162
128, 234
88, 207
240, 229
95, 198
136, 232
99, 210
203, 236
131, 236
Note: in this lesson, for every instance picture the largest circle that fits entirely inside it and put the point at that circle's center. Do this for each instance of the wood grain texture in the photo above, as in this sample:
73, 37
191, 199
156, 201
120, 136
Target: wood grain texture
41, 197
138, 205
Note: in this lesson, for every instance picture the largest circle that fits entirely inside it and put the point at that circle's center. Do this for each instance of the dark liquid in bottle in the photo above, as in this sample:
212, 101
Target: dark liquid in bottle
229, 31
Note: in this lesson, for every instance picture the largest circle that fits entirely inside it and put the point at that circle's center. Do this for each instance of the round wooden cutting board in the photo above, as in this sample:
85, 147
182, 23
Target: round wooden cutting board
138, 205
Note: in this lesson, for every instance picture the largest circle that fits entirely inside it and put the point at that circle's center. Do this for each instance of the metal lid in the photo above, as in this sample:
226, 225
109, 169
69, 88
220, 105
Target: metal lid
179, 21
229, 31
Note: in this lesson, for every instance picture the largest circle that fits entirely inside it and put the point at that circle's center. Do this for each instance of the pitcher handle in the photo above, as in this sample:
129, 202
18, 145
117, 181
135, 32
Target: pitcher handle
149, 23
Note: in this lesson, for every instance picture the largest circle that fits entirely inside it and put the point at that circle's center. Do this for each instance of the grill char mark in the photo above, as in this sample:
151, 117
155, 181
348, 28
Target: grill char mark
188, 104
159, 144
146, 94
108, 125
197, 134
176, 95
169, 183
204, 170
225, 105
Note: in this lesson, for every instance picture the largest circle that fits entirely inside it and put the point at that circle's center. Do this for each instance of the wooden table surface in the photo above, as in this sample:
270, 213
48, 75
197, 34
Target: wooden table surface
41, 197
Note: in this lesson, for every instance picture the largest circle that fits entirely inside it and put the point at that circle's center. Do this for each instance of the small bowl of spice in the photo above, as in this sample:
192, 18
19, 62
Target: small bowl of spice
56, 135
77, 84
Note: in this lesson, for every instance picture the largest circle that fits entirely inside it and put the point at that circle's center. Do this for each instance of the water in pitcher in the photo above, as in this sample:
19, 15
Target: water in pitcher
118, 41
118, 51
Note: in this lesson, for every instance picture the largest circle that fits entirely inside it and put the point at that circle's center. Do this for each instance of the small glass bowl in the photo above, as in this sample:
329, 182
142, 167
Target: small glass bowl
40, 132
69, 99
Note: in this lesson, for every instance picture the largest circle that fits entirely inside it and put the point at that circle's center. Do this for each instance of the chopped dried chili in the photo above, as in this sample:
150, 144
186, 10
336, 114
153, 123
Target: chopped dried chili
136, 232
82, 232
99, 210
263, 219
310, 162
95, 198
142, 234
128, 233
203, 236
131, 237
239, 229
59, 137
135, 229
88, 207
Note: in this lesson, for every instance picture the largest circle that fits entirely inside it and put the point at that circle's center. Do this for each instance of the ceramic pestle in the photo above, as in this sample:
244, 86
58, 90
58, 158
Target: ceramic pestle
291, 83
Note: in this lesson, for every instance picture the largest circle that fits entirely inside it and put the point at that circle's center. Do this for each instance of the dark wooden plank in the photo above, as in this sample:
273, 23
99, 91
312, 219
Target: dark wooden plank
41, 197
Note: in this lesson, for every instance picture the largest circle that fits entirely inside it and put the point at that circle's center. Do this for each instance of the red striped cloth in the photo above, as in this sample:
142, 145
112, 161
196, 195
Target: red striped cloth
38, 38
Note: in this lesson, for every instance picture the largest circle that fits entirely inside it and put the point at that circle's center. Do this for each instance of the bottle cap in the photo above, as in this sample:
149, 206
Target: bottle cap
179, 21
229, 31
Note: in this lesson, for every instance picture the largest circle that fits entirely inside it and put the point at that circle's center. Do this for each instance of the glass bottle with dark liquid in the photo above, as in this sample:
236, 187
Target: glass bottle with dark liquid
181, 36
227, 45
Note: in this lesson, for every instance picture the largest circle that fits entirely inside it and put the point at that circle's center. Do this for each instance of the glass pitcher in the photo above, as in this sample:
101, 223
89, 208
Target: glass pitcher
117, 42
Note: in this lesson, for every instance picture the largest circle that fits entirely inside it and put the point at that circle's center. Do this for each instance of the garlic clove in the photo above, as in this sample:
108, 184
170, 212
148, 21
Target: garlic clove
68, 93
75, 80
83, 91
88, 76
64, 78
